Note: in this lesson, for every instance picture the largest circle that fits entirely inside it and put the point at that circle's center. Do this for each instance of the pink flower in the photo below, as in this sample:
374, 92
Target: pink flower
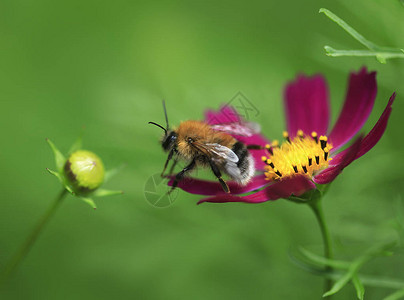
309, 154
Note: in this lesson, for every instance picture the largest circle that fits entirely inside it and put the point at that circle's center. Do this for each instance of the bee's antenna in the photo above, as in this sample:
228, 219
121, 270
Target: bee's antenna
165, 113
158, 125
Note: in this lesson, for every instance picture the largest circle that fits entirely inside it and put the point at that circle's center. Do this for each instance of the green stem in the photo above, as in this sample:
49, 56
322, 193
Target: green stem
24, 249
318, 212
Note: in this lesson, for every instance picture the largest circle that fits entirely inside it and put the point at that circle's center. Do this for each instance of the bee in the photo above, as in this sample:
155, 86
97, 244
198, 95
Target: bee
204, 145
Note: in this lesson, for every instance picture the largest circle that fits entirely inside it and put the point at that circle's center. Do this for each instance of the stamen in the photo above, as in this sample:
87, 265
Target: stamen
304, 168
295, 169
310, 161
286, 136
326, 153
269, 149
270, 163
300, 134
317, 159
277, 172
314, 136
323, 141
267, 161
275, 144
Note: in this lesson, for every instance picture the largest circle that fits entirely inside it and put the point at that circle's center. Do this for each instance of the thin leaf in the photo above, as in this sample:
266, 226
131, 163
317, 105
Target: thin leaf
113, 172
56, 174
69, 189
60, 178
59, 158
380, 55
399, 209
397, 295
357, 264
297, 200
89, 201
324, 261
360, 289
339, 284
77, 145
356, 35
381, 58
309, 267
383, 282
104, 192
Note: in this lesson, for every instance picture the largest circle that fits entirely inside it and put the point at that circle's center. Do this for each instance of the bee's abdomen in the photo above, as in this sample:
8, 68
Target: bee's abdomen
245, 162
241, 151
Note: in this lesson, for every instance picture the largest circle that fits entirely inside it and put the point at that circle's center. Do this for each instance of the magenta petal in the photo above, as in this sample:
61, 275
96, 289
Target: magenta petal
296, 185
208, 188
306, 105
332, 172
358, 104
373, 137
225, 115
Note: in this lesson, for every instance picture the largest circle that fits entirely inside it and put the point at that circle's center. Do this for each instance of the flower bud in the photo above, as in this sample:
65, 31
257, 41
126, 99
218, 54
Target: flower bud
85, 171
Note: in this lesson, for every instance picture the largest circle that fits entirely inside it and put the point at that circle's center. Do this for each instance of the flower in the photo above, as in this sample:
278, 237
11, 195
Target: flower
82, 173
308, 157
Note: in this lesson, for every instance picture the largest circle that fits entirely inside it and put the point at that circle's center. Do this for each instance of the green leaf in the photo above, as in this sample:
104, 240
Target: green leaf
112, 172
56, 174
360, 289
297, 200
397, 295
381, 59
339, 284
381, 53
317, 259
59, 158
357, 264
77, 145
104, 192
356, 35
62, 181
89, 201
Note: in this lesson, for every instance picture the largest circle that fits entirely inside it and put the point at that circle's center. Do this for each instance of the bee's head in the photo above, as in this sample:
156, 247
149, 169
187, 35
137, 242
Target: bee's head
169, 140
170, 136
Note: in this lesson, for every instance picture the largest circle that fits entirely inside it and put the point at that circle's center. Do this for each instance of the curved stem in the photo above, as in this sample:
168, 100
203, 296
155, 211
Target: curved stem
24, 249
318, 212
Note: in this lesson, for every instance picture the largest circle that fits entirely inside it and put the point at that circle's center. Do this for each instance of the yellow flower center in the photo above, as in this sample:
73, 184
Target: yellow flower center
303, 155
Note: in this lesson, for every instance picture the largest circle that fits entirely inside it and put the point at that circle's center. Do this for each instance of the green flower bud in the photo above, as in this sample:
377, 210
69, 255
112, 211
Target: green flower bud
85, 171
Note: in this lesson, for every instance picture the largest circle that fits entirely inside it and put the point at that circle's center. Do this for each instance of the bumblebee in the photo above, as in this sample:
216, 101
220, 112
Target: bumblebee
204, 145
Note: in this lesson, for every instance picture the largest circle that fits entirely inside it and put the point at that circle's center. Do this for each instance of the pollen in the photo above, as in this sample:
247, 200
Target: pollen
305, 154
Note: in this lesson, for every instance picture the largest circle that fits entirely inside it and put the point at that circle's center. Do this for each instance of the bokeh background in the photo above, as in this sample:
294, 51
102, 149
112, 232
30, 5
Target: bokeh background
107, 66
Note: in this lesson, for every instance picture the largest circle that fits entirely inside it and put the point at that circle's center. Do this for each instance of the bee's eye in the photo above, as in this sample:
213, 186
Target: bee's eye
169, 141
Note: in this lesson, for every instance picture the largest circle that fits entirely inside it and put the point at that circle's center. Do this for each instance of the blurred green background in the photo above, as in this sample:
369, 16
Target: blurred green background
107, 66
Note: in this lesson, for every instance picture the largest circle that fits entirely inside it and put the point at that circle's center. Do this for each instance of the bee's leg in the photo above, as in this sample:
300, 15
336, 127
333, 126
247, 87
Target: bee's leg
172, 167
217, 173
255, 147
181, 174
170, 155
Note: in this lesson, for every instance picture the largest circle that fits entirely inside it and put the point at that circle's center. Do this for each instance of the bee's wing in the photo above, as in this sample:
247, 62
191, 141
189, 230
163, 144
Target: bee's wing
219, 153
243, 129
